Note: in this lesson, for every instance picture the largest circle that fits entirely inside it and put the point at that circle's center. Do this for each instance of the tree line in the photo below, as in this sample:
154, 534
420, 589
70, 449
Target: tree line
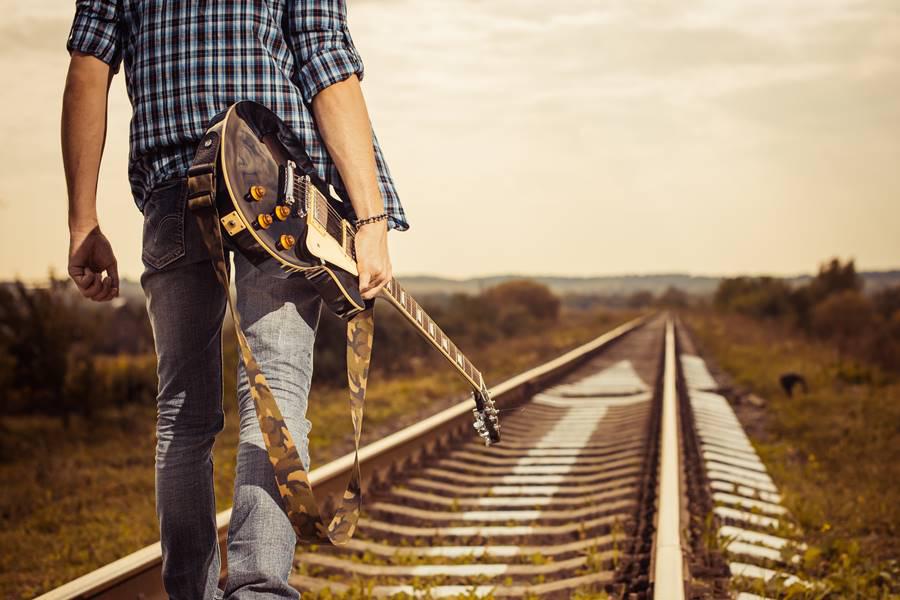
832, 307
61, 355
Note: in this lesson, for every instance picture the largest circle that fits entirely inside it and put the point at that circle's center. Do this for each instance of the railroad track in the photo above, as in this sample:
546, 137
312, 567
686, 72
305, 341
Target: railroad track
548, 512
598, 487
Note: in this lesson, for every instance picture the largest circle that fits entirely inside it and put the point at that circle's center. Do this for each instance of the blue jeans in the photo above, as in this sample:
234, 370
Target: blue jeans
187, 308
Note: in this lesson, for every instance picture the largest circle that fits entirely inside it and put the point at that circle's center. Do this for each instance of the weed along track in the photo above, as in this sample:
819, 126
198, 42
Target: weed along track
601, 487
754, 531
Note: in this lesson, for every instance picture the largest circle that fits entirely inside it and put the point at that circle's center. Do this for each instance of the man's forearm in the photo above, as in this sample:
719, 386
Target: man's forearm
83, 135
343, 122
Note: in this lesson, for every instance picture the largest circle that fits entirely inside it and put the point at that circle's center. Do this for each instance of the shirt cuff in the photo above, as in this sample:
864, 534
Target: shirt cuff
396, 224
327, 67
95, 33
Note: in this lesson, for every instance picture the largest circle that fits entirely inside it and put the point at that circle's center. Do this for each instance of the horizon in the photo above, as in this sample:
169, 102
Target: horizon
513, 275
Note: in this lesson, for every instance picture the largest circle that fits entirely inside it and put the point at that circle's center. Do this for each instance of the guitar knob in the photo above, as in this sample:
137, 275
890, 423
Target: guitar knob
257, 192
264, 220
282, 212
286, 241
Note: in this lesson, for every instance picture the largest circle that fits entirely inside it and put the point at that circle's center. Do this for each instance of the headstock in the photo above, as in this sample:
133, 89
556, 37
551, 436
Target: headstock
487, 419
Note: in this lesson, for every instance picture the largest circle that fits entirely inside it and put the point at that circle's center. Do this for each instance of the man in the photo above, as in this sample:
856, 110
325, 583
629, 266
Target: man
185, 61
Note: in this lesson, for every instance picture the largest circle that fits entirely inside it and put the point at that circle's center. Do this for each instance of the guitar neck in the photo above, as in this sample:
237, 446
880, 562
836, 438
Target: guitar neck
409, 308
343, 232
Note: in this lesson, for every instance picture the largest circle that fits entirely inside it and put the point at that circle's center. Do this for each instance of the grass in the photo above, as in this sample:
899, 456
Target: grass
75, 499
833, 452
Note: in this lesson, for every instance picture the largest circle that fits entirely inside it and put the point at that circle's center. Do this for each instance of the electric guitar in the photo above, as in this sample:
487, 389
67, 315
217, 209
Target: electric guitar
280, 215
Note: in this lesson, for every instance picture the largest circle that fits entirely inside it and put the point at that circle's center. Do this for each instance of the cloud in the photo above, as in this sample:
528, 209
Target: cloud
829, 106
631, 114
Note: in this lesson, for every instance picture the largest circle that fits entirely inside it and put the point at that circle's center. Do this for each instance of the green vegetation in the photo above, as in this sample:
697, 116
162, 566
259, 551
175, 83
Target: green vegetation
77, 450
833, 452
831, 308
55, 351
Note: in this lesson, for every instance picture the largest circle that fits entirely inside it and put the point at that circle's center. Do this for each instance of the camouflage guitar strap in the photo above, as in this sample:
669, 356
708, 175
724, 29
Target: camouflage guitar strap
292, 479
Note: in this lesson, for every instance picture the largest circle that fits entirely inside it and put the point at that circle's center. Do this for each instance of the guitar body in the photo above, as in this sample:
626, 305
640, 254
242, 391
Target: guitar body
256, 145
279, 214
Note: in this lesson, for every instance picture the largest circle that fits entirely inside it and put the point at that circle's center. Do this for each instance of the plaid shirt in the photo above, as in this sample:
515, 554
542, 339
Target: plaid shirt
185, 61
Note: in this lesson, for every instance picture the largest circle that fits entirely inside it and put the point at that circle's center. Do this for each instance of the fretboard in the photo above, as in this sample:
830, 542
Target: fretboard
343, 232
427, 327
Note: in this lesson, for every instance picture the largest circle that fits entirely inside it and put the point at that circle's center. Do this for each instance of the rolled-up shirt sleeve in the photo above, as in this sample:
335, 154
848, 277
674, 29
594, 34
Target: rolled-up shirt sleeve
322, 44
95, 31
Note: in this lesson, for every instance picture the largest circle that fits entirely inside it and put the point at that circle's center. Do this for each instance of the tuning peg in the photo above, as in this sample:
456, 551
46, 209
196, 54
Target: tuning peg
257, 192
286, 241
282, 212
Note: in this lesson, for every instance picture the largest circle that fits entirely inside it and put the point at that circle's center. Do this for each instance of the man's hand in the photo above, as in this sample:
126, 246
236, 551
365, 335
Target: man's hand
89, 256
372, 258
83, 134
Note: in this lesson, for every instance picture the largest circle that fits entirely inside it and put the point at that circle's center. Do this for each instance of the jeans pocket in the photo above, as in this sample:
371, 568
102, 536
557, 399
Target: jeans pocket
163, 238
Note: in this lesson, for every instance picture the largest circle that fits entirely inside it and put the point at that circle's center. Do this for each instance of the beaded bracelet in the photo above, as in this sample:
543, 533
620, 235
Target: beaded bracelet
372, 219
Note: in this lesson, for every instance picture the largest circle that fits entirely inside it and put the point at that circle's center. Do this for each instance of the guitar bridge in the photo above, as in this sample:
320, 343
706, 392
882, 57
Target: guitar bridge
289, 183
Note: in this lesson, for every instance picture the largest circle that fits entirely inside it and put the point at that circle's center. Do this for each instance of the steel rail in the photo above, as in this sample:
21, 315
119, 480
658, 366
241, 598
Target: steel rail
138, 575
668, 556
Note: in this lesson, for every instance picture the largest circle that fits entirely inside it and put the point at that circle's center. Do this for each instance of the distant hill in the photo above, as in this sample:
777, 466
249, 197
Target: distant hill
611, 285
602, 285
697, 285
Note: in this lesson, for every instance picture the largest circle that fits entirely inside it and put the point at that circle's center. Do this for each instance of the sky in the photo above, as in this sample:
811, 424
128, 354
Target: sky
569, 138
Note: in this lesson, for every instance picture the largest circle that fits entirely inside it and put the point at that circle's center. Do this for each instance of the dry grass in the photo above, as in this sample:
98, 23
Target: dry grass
76, 499
834, 452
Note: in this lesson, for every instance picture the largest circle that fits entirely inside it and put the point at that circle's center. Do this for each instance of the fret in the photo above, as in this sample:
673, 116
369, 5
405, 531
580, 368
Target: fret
321, 208
347, 241
334, 225
416, 314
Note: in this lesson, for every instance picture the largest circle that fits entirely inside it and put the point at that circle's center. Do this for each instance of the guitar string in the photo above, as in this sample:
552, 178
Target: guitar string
301, 186
331, 210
